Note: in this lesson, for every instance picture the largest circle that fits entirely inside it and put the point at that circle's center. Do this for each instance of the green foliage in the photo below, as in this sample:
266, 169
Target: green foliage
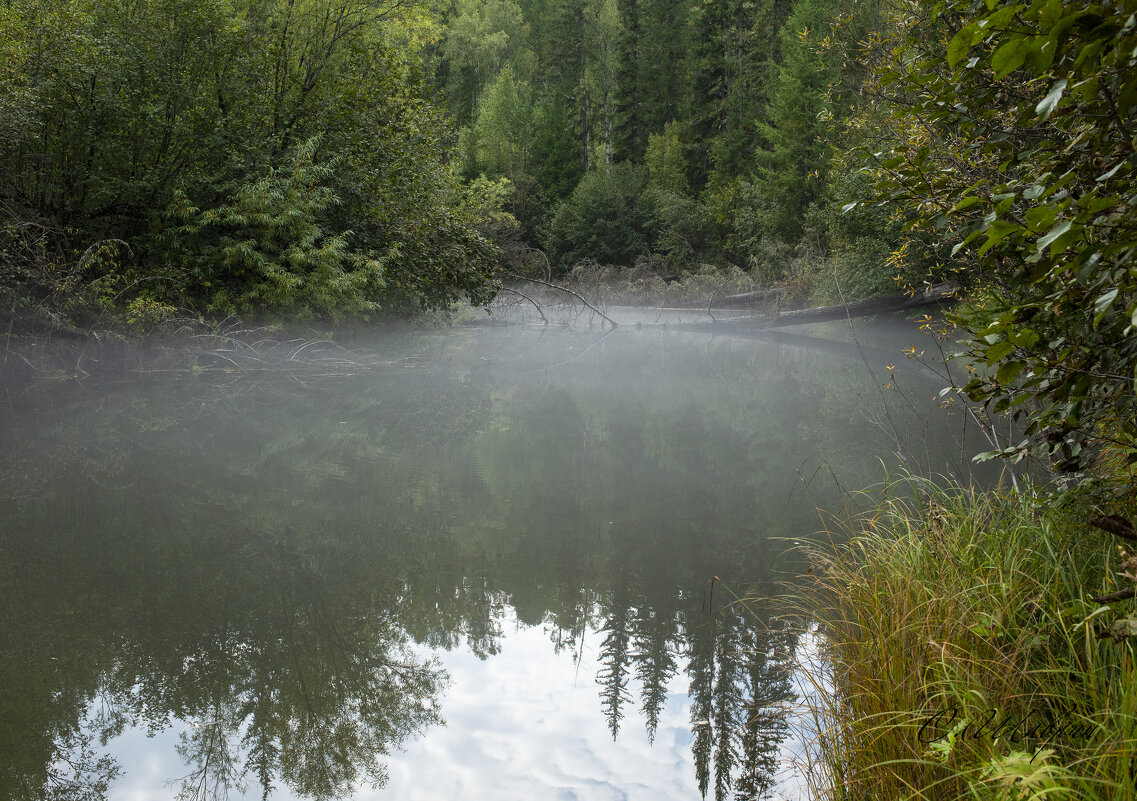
792, 162
1014, 138
559, 166
264, 250
481, 40
603, 219
665, 161
146, 313
486, 204
724, 100
209, 110
501, 132
679, 228
948, 619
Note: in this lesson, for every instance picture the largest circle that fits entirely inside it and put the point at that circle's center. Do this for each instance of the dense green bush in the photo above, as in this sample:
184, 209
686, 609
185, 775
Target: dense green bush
264, 156
603, 219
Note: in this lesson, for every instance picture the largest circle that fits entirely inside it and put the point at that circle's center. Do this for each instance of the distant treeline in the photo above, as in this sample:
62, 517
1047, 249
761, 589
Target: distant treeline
676, 134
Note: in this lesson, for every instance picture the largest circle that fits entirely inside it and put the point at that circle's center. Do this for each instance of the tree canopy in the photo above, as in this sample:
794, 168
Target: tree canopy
273, 156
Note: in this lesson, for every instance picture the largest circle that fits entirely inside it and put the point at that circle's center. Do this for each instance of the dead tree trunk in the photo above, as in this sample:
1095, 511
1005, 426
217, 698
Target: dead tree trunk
901, 301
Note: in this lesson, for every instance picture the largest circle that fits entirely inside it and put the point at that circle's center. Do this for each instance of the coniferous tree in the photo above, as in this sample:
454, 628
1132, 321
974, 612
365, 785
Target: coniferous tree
791, 164
727, 715
615, 658
556, 158
629, 137
655, 643
701, 672
765, 727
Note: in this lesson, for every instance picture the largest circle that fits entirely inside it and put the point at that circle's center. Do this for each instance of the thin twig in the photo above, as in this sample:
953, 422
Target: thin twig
536, 305
576, 295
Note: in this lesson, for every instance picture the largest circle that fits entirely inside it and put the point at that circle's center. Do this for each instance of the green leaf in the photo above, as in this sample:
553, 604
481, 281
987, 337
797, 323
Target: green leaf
967, 241
1041, 217
998, 351
1065, 240
1102, 304
959, 45
1095, 205
1055, 232
998, 20
1048, 103
997, 232
1009, 56
1107, 175
1009, 371
1040, 53
1049, 13
1024, 338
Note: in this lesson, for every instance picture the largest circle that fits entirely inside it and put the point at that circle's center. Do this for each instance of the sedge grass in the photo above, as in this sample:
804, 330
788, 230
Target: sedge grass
960, 654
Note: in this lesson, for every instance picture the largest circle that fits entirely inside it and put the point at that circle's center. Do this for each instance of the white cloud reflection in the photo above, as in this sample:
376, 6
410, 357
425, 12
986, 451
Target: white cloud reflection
525, 723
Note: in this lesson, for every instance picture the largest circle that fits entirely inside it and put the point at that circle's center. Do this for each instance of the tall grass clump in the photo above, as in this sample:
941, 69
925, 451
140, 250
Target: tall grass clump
961, 653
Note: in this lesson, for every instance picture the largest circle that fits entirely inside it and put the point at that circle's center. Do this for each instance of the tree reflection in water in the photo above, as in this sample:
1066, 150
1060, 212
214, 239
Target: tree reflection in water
263, 565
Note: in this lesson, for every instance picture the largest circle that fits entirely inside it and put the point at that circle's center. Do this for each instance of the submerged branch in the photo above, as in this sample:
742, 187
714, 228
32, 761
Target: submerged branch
566, 290
900, 301
536, 305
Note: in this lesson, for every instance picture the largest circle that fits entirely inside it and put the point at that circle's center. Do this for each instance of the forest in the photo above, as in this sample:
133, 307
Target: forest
345, 158
315, 159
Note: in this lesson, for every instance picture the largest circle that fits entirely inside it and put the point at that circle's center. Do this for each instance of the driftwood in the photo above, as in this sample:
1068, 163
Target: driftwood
1116, 525
900, 301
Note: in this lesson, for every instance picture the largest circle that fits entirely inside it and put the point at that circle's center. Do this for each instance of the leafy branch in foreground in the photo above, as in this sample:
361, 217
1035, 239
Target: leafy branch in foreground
1013, 137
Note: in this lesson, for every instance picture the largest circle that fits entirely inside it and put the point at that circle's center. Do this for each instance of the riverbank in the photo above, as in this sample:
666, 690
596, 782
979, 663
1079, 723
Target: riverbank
970, 649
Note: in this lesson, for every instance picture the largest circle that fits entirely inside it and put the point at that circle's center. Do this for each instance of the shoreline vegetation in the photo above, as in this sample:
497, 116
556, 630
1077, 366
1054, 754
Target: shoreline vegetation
971, 645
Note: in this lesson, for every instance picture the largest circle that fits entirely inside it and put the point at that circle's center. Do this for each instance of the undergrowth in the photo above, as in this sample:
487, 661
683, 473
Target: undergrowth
643, 285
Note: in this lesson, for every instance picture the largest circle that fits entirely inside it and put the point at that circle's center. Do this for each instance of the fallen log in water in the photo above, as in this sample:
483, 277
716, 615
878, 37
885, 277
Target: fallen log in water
900, 301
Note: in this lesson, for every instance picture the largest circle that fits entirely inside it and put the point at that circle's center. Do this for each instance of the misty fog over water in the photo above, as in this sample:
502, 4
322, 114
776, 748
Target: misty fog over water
491, 561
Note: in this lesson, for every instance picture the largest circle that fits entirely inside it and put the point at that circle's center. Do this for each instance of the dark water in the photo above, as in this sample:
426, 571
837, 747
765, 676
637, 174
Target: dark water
491, 563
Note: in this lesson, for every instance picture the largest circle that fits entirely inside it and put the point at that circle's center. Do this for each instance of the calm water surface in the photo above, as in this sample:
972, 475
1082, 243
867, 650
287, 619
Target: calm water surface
496, 563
